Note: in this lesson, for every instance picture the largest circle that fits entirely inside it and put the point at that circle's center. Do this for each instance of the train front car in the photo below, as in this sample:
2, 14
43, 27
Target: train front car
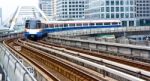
33, 30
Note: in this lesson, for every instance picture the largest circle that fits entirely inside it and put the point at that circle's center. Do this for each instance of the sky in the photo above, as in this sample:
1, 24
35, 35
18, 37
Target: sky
9, 6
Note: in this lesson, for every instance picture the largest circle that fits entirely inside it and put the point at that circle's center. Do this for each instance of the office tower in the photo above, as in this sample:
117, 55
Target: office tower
123, 10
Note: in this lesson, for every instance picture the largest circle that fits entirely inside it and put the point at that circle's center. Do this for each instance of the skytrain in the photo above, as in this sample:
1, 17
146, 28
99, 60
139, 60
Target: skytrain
36, 29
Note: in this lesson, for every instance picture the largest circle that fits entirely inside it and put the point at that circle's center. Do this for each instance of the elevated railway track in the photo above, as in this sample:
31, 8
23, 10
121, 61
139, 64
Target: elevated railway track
59, 63
132, 52
123, 68
47, 63
135, 67
134, 63
12, 45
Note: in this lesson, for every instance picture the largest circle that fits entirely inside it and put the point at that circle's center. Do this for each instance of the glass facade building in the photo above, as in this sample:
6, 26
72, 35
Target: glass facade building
124, 10
46, 7
130, 12
70, 9
0, 16
63, 9
143, 11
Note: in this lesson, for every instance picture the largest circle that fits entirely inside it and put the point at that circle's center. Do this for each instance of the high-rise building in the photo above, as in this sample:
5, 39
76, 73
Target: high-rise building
70, 9
0, 16
64, 9
54, 9
143, 11
123, 10
130, 12
46, 6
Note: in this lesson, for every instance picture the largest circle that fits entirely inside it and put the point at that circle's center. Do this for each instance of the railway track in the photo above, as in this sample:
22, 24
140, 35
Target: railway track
93, 60
11, 43
134, 54
138, 64
144, 71
45, 62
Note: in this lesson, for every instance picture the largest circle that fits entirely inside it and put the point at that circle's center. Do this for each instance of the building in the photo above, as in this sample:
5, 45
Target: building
54, 9
46, 7
63, 9
0, 16
70, 9
124, 10
143, 11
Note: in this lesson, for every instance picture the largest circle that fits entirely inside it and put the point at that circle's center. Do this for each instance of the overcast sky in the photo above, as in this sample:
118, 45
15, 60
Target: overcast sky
9, 6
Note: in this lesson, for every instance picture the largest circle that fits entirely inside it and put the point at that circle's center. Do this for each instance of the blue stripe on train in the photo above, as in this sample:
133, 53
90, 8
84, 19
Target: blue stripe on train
49, 30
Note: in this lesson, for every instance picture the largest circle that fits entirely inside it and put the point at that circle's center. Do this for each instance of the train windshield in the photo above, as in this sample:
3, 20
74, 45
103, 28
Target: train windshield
33, 24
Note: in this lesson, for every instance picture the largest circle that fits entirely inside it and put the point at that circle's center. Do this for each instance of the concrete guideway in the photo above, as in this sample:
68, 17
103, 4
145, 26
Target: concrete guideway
39, 57
126, 49
44, 47
101, 31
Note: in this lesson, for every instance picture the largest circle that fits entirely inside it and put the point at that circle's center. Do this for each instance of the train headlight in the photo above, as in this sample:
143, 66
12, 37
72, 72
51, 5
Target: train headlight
33, 31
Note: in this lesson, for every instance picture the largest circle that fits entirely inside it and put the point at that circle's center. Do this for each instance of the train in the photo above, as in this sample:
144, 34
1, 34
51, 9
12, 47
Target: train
37, 29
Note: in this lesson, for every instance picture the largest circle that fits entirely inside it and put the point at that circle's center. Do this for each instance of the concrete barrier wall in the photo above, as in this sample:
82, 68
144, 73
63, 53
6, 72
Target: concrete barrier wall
101, 30
13, 68
9, 36
119, 49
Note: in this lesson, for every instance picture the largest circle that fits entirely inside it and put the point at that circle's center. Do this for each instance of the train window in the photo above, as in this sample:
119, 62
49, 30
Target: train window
106, 23
114, 23
33, 25
65, 25
51, 25
27, 25
61, 25
42, 25
92, 24
99, 24
38, 25
72, 25
85, 24
46, 25
56, 25
79, 24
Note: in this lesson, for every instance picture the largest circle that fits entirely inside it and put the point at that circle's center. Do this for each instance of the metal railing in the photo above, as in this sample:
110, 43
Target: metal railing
13, 68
